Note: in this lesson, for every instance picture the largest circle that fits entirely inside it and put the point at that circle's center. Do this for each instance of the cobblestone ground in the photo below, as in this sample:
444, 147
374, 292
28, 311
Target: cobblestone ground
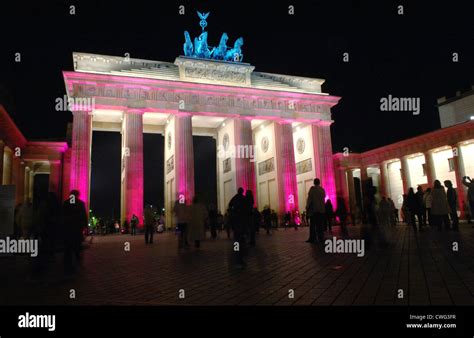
423, 265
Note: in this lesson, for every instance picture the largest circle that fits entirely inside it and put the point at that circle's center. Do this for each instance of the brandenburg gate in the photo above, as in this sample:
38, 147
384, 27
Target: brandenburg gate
272, 131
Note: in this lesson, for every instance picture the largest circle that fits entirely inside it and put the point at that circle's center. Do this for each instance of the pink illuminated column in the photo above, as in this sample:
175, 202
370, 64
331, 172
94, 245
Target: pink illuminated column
323, 156
286, 167
343, 185
244, 165
55, 177
184, 156
132, 157
81, 154
66, 177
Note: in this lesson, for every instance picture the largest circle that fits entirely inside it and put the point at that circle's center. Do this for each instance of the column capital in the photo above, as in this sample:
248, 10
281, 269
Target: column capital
324, 123
139, 111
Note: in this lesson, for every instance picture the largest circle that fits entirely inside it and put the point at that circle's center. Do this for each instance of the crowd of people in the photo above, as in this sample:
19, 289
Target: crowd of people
62, 227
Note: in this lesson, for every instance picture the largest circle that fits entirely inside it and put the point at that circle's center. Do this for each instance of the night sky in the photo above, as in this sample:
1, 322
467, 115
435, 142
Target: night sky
405, 56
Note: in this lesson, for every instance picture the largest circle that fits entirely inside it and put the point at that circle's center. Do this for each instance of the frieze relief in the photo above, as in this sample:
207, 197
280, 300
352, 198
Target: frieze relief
288, 106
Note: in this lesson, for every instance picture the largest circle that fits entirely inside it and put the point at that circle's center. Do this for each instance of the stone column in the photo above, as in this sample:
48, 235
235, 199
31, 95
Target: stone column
344, 185
19, 180
405, 174
460, 172
383, 180
286, 167
350, 186
184, 156
244, 164
55, 177
429, 168
2, 152
31, 186
81, 154
323, 155
7, 166
66, 175
132, 157
26, 191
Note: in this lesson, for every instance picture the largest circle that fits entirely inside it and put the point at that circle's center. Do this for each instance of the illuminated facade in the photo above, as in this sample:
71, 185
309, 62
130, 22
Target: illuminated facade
262, 123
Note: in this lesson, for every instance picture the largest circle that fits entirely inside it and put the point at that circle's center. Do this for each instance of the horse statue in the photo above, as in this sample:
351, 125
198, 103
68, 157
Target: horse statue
235, 54
201, 49
220, 51
188, 45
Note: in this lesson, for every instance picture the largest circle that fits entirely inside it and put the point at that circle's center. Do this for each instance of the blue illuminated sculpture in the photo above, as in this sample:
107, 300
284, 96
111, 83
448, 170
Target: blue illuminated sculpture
200, 48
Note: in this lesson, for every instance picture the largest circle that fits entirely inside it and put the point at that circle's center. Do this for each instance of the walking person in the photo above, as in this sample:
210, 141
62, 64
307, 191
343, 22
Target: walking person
238, 218
452, 198
341, 213
134, 224
149, 224
420, 210
267, 219
427, 201
412, 205
197, 222
469, 183
249, 202
329, 212
74, 221
212, 217
439, 206
180, 210
315, 209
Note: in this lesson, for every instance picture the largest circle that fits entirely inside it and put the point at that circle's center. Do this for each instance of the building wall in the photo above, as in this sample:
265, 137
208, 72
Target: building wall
467, 152
457, 111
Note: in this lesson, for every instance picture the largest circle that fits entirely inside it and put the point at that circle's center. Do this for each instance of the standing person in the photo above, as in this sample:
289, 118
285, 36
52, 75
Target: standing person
197, 222
466, 180
149, 224
412, 205
74, 221
25, 219
238, 217
267, 219
329, 212
315, 209
341, 213
427, 201
287, 220
296, 219
257, 218
212, 217
384, 212
439, 206
420, 209
134, 224
249, 202
393, 212
180, 210
227, 224
467, 212
452, 198
220, 222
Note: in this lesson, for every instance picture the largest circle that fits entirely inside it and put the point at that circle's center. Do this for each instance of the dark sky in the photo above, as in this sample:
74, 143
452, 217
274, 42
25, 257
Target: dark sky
405, 56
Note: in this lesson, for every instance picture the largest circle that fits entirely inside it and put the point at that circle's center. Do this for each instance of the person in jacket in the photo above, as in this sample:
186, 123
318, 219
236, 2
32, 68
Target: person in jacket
316, 210
427, 201
439, 206
452, 198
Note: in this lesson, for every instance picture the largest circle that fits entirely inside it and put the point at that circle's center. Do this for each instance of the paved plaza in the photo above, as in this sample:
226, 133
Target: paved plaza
423, 265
